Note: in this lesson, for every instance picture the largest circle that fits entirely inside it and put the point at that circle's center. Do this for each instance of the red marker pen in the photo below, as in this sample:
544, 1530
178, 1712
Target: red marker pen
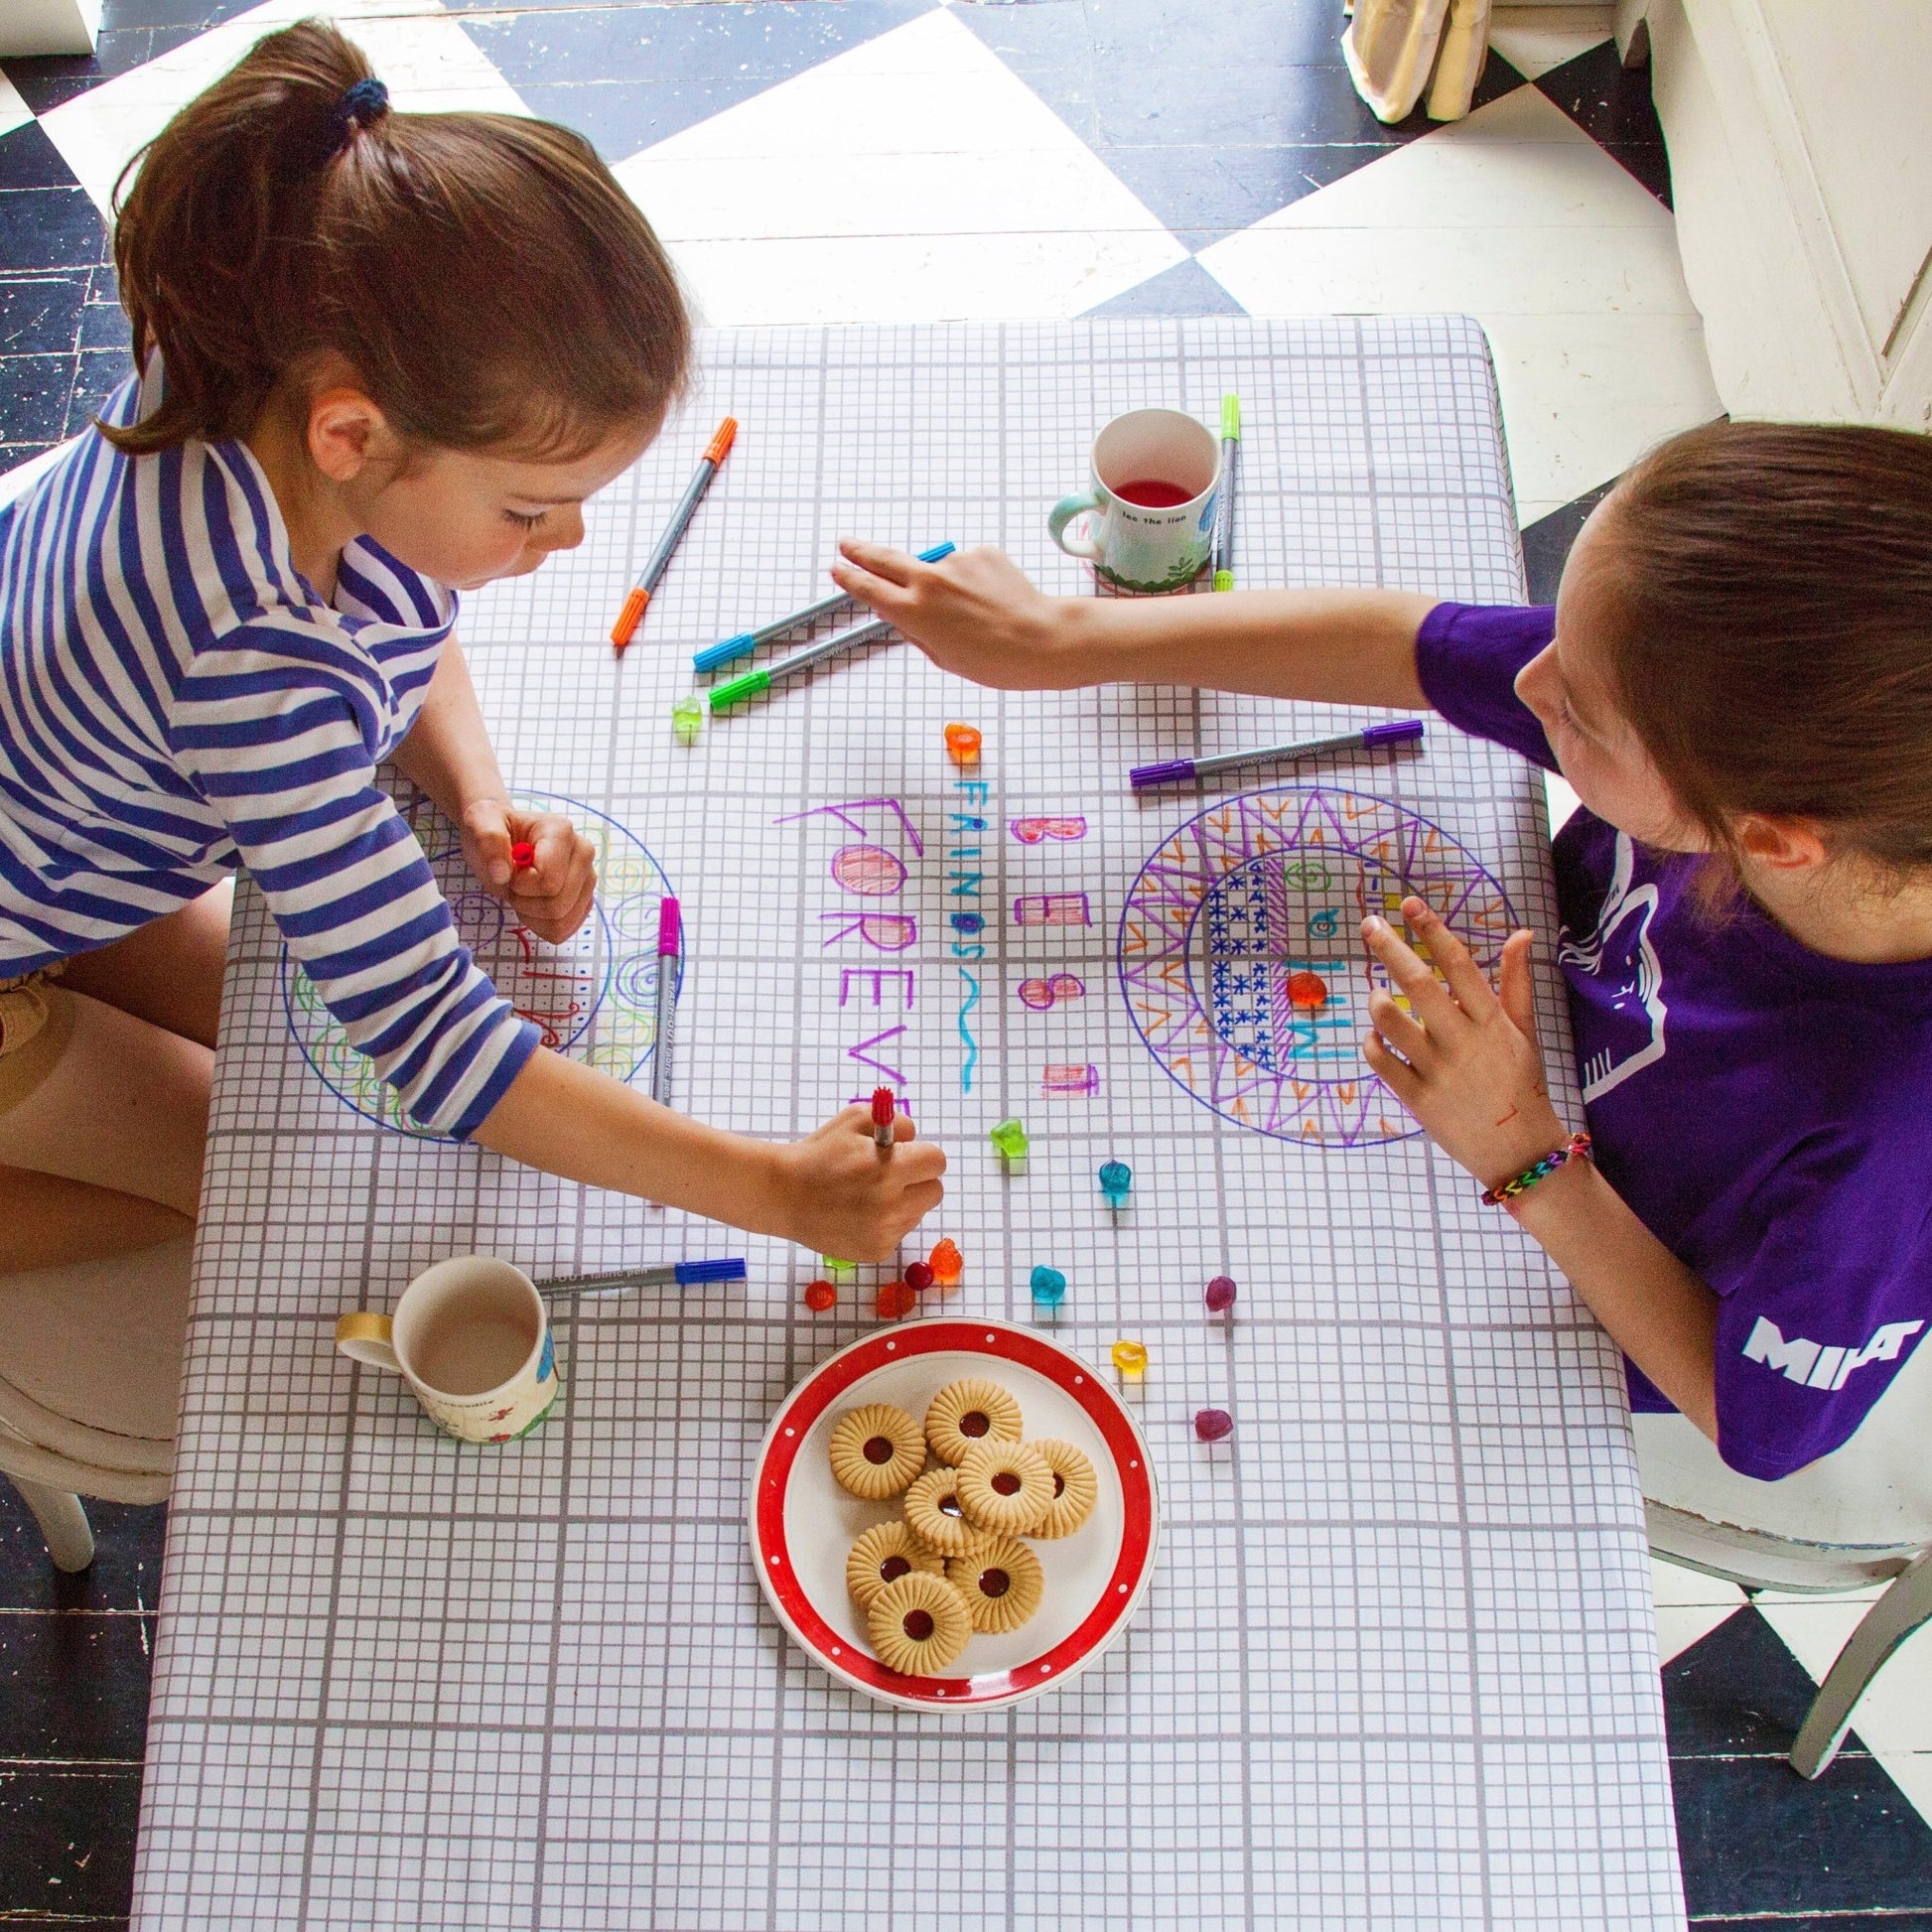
882, 1119
523, 854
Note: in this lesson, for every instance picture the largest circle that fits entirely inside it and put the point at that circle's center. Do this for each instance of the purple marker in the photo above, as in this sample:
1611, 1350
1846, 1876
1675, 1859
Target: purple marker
1176, 772
670, 938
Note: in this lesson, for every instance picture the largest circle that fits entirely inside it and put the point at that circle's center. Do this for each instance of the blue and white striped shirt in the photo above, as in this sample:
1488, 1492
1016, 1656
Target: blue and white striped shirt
176, 702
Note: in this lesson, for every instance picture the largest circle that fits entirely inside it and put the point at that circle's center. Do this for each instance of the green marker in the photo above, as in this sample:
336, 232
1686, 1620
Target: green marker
752, 682
1224, 520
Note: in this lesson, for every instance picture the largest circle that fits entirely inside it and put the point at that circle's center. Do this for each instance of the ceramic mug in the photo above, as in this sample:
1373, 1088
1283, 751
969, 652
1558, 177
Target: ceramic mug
472, 1337
1150, 508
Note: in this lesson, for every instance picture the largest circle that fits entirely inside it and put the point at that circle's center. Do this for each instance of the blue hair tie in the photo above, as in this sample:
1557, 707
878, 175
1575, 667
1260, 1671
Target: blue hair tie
361, 105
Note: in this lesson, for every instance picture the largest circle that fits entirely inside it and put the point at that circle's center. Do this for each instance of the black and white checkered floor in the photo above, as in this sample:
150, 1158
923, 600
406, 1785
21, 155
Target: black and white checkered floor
856, 160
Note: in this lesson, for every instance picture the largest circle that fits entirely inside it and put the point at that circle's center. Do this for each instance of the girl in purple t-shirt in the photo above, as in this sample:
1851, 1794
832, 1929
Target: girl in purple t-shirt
1736, 679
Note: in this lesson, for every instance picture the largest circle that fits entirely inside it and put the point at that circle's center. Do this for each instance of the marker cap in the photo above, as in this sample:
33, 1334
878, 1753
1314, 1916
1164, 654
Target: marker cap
671, 927
724, 696
1399, 733
1176, 769
690, 1273
720, 445
630, 618
723, 652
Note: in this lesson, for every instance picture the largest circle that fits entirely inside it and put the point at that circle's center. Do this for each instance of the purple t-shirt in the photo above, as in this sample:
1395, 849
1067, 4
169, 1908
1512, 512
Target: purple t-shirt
1765, 1111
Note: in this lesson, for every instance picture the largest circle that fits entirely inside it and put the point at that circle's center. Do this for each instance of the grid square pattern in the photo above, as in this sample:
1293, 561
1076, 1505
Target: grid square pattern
1395, 1666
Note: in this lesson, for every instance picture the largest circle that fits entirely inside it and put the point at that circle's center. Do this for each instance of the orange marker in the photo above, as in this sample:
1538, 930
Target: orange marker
633, 612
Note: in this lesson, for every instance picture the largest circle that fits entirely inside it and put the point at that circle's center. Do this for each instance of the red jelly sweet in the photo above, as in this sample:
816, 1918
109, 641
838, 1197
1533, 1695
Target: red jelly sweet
918, 1277
820, 1295
1219, 1295
1213, 1424
894, 1300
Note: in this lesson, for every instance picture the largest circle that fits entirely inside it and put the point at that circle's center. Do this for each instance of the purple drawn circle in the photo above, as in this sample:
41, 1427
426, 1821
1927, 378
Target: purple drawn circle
1230, 907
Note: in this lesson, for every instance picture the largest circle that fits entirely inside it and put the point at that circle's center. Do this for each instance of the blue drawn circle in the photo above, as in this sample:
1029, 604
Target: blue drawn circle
615, 971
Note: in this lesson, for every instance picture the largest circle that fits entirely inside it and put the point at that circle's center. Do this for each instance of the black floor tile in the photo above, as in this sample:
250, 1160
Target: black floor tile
42, 314
1186, 289
48, 227
28, 159
48, 82
1757, 1839
1546, 541
630, 77
117, 16
73, 1684
33, 392
103, 324
1814, 1922
125, 1574
1215, 134
99, 373
67, 1841
1612, 103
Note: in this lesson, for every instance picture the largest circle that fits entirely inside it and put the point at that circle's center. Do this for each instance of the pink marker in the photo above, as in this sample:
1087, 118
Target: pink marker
670, 942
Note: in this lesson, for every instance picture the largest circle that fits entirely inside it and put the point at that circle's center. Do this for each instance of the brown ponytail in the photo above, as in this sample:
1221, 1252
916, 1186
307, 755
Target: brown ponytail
483, 274
1768, 595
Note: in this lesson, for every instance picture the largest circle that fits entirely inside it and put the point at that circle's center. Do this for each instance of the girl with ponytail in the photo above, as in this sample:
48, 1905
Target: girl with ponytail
380, 359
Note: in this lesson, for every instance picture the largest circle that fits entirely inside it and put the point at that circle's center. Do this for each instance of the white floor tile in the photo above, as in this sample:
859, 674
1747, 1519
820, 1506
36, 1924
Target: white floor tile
914, 178
14, 112
425, 57
1894, 1717
1517, 217
1671, 1587
1533, 40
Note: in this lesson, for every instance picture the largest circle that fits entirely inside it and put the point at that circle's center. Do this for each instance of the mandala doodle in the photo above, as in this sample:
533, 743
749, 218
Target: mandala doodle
1241, 963
594, 997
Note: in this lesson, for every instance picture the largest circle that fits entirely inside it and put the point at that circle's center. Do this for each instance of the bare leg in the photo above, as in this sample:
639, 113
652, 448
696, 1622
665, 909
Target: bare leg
104, 1155
168, 973
124, 1112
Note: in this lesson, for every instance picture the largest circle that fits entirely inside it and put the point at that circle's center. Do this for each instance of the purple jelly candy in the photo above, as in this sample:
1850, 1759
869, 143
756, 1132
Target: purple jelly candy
1212, 1425
1219, 1295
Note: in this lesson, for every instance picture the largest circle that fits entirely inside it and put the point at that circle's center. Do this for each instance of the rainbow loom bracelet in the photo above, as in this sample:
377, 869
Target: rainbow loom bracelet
1502, 1195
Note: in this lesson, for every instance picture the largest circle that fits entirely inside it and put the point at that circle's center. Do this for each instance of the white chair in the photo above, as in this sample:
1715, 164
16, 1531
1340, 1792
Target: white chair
1860, 1516
90, 1382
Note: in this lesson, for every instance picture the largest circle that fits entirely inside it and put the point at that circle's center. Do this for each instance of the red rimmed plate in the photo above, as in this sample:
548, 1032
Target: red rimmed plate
803, 1525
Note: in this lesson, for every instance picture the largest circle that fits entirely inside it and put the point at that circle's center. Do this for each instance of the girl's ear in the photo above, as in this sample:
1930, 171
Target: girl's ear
1782, 844
346, 433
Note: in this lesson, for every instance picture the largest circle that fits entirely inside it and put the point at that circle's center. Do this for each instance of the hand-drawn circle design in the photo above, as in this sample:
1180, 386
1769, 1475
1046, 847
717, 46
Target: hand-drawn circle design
870, 871
594, 997
1242, 963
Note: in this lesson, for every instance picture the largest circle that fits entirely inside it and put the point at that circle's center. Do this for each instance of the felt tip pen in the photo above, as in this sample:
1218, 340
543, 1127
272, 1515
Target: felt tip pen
1224, 517
1176, 772
882, 1119
633, 612
676, 1274
747, 642
724, 696
670, 942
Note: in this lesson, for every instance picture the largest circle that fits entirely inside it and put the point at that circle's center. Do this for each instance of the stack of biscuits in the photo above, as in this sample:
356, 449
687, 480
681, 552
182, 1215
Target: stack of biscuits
954, 1562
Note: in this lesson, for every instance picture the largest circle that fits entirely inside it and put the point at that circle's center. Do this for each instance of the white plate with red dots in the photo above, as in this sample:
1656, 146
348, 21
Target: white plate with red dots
803, 1524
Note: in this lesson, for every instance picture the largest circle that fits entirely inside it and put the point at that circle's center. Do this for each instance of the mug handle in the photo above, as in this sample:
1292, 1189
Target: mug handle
366, 1337
1062, 513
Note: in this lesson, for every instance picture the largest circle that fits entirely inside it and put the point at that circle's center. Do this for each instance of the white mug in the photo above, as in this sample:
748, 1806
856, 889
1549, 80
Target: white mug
1150, 508
472, 1337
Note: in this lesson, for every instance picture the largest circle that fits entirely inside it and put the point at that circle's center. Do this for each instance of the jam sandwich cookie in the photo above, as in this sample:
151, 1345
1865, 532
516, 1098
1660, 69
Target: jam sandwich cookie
1075, 1488
885, 1553
935, 1515
918, 1624
1001, 1584
969, 1412
1004, 1487
877, 1451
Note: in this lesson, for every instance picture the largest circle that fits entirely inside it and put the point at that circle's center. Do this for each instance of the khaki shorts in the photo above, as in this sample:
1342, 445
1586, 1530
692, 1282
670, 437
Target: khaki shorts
36, 1024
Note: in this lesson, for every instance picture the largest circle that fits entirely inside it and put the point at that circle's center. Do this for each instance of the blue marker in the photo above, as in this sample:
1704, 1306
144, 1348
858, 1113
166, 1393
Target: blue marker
677, 1273
747, 642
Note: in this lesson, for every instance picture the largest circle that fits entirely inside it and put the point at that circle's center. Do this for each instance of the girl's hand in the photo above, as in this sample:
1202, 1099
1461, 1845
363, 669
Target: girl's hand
839, 1194
974, 613
551, 895
1469, 1069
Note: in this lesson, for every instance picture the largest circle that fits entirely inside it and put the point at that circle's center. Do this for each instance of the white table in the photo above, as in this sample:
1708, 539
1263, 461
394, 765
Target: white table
1397, 1667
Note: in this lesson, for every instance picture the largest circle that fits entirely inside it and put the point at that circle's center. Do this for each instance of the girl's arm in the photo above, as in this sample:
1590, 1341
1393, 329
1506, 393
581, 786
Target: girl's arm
1465, 1063
833, 1192
976, 614
448, 755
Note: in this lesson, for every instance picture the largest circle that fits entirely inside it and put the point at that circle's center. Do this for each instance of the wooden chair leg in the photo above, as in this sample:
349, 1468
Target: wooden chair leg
1888, 1622
63, 1521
